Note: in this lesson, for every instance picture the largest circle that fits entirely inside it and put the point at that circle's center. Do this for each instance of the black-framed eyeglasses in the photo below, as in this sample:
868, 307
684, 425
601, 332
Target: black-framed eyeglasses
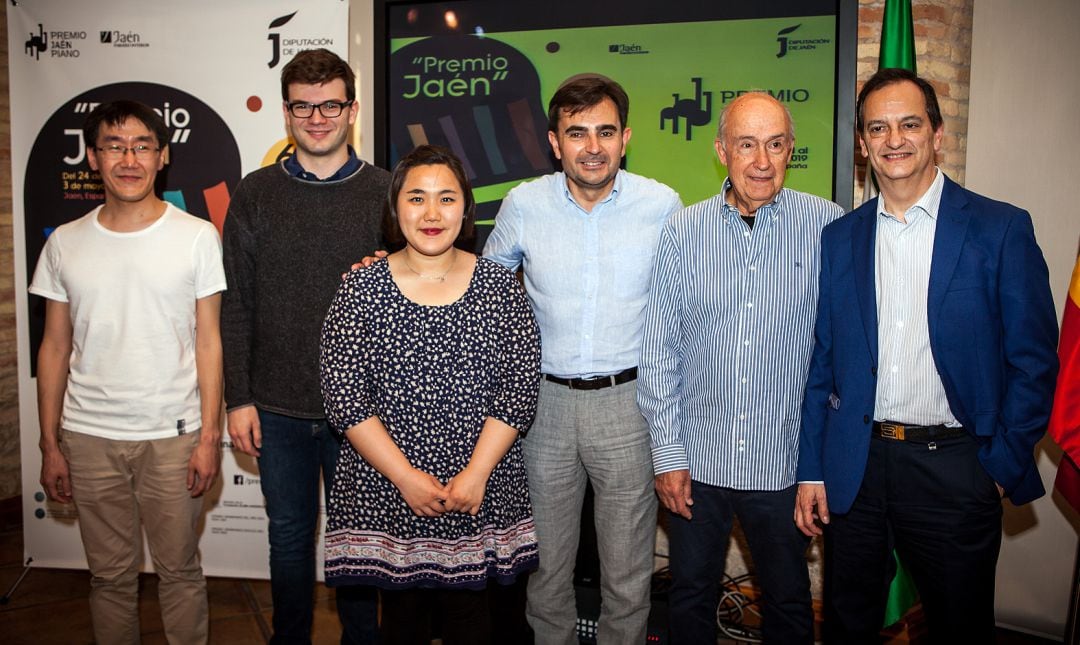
328, 109
117, 152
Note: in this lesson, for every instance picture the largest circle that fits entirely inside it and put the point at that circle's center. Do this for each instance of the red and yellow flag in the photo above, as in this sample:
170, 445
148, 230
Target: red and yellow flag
1065, 418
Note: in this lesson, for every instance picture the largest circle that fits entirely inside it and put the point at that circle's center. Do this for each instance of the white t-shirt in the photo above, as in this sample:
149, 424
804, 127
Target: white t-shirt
132, 298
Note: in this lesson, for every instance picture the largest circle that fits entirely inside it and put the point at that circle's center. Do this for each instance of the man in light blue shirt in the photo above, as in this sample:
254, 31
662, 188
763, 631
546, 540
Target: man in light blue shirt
727, 341
585, 239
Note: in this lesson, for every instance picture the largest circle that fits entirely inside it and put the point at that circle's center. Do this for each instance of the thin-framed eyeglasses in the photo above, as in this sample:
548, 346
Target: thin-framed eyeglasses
116, 151
329, 109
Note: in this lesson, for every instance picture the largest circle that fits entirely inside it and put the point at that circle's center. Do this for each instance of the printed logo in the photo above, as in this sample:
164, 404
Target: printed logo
238, 480
59, 44
689, 110
626, 48
284, 48
792, 44
275, 39
37, 43
780, 38
118, 38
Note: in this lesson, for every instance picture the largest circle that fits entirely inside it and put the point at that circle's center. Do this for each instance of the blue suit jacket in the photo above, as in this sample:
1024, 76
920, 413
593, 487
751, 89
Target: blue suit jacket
993, 336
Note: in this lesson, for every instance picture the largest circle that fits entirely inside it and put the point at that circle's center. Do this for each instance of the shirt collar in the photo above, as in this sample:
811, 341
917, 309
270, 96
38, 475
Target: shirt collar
928, 203
615, 188
352, 164
765, 209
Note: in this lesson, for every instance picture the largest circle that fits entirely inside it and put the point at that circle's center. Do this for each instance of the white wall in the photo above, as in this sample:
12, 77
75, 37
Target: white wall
1024, 148
361, 28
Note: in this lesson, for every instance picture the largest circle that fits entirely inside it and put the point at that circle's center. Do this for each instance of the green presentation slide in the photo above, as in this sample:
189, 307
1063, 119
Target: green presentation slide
485, 95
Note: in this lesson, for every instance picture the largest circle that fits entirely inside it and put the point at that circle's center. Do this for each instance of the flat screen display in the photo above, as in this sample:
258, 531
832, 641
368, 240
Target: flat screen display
476, 75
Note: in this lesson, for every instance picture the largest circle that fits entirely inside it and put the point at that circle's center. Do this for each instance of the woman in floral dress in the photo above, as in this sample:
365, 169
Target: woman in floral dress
430, 367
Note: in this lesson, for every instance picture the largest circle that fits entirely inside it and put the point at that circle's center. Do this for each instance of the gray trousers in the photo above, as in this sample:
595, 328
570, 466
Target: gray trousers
601, 437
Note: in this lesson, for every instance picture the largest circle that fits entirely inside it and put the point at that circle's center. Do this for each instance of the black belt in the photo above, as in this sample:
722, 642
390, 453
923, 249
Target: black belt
596, 382
921, 434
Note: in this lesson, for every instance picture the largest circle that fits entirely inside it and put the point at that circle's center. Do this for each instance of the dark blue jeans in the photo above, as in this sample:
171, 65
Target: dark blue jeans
292, 455
698, 549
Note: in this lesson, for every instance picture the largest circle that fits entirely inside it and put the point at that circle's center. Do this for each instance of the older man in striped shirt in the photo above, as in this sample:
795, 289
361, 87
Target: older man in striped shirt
727, 342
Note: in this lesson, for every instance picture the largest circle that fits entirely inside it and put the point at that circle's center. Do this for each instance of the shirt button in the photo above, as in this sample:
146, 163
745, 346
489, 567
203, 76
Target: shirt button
753, 268
895, 369
742, 417
743, 380
750, 304
746, 342
746, 233
899, 323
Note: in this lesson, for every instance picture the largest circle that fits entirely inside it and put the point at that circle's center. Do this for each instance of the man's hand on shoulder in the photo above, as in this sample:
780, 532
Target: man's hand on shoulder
811, 497
366, 262
673, 489
203, 466
244, 430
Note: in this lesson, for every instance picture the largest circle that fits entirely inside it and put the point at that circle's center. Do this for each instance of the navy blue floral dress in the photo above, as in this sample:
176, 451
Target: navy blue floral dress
432, 375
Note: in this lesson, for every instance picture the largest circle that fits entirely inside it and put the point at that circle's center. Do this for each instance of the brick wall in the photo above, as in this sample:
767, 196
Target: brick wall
942, 56
9, 384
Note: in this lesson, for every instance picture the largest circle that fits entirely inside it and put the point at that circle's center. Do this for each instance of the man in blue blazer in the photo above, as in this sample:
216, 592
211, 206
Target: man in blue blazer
931, 380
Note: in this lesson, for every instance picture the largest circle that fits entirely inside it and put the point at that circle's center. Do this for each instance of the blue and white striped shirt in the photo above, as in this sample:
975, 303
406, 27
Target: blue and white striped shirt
728, 336
909, 388
586, 272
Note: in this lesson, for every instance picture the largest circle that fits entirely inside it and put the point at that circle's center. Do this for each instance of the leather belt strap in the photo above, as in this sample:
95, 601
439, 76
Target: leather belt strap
920, 434
596, 382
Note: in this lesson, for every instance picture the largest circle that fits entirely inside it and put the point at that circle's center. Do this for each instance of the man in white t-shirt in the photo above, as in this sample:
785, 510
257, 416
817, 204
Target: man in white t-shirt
129, 378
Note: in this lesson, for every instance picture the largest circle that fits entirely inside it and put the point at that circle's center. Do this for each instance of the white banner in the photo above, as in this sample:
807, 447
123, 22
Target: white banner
212, 70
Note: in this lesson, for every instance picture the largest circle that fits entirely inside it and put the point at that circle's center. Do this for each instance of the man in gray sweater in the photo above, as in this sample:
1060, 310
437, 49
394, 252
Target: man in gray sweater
291, 230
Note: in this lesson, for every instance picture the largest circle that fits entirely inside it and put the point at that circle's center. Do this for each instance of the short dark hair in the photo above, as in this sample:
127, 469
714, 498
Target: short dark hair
428, 155
115, 113
890, 76
317, 67
583, 93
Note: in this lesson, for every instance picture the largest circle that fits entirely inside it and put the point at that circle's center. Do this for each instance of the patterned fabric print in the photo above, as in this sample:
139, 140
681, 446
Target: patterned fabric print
432, 375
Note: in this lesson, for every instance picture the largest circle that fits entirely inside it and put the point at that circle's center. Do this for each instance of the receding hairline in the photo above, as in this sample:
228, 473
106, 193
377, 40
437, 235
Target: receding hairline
737, 102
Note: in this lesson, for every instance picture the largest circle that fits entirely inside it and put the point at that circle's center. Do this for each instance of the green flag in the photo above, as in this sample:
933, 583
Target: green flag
897, 36
902, 594
897, 50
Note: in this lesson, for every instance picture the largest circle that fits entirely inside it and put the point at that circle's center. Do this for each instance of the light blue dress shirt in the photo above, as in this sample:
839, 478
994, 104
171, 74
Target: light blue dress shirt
909, 388
587, 273
728, 336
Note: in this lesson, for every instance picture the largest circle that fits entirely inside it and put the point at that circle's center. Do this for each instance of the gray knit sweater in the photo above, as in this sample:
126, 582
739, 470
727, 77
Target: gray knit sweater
287, 241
